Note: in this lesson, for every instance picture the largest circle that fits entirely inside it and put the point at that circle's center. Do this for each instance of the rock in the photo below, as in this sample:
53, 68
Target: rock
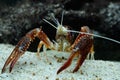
30, 67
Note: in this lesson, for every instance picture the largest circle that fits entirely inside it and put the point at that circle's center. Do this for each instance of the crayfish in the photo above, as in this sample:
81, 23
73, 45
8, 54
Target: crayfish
81, 47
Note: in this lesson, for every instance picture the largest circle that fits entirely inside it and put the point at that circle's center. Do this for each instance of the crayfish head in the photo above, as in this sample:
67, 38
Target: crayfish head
61, 30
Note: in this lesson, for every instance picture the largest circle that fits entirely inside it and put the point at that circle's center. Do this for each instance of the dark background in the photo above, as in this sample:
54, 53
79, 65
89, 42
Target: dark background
102, 16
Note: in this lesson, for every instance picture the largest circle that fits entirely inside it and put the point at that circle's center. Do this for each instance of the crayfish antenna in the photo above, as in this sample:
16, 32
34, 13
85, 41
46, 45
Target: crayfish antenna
99, 36
50, 23
62, 18
55, 21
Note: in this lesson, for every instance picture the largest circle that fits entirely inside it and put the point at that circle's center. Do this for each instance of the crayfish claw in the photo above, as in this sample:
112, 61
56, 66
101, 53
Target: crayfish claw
8, 61
13, 63
79, 63
18, 51
3, 70
67, 63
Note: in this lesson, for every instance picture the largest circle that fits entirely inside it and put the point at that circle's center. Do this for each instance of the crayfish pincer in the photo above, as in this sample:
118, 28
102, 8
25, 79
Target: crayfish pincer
81, 47
23, 45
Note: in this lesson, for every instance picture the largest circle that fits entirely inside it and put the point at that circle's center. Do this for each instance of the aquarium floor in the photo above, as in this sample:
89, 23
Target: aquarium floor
32, 67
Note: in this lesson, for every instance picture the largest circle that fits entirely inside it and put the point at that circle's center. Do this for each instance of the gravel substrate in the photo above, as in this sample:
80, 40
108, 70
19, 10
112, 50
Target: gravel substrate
30, 67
